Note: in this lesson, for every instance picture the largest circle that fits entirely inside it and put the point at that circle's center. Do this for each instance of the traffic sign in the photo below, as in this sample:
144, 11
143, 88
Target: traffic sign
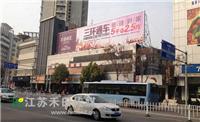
10, 65
168, 50
191, 68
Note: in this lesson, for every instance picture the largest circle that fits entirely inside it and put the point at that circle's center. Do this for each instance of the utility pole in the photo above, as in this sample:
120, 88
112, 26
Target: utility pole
186, 79
186, 74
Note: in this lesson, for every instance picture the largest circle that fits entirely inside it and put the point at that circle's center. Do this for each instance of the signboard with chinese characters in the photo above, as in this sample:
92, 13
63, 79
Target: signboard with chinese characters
168, 50
191, 68
193, 22
9, 65
124, 30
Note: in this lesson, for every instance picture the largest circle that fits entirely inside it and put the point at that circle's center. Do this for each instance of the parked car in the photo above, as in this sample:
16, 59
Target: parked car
93, 105
7, 94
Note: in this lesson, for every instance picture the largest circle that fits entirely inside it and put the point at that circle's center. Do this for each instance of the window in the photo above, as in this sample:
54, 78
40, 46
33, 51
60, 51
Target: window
192, 2
78, 98
122, 89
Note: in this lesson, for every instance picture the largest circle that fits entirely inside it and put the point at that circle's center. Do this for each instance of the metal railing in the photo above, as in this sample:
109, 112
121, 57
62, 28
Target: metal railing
185, 111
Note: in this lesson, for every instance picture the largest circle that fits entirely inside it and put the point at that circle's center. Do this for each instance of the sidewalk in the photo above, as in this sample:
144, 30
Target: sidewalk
160, 114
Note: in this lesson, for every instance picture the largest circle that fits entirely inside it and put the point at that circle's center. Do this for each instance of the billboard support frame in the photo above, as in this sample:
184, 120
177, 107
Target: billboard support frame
147, 38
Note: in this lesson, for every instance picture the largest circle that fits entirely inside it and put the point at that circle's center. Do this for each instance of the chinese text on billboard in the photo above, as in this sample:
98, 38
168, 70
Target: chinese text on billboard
124, 30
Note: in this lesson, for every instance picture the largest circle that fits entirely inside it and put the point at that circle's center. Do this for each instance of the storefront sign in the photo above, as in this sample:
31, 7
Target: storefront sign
40, 78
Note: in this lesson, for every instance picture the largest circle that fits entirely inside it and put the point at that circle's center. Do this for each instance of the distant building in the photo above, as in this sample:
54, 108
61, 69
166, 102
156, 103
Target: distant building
8, 43
8, 49
27, 56
47, 42
77, 13
73, 12
186, 37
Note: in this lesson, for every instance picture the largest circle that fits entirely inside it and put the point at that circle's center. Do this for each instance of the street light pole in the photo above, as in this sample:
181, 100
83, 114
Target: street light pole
186, 80
186, 74
143, 58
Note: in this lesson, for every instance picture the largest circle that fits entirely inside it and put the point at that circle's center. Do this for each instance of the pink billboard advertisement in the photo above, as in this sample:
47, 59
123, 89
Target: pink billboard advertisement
66, 41
124, 30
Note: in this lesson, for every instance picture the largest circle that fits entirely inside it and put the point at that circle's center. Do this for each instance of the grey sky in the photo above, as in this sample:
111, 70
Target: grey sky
159, 15
24, 15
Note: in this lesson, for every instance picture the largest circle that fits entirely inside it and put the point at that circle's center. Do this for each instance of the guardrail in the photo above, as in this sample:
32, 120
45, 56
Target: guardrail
186, 111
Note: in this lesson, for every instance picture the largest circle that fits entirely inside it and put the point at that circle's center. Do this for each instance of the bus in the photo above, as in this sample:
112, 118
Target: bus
124, 91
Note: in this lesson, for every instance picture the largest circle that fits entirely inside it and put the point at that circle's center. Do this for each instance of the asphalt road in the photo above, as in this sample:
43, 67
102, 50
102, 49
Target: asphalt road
10, 113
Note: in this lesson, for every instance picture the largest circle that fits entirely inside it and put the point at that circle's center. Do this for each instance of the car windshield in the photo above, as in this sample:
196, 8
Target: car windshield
7, 90
98, 99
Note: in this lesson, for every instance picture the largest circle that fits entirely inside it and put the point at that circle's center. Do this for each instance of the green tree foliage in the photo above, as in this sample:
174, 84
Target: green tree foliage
61, 73
91, 73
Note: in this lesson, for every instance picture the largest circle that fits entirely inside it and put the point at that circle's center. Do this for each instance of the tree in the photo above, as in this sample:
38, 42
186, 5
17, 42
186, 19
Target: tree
120, 59
91, 73
61, 73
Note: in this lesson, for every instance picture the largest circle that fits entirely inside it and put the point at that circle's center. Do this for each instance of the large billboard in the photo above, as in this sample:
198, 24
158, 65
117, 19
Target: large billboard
124, 30
193, 22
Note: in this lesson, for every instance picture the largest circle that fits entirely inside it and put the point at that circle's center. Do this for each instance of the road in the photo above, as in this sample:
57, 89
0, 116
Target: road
14, 114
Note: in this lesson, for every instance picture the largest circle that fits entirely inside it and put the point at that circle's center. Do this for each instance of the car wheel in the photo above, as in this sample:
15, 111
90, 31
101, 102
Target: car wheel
96, 115
70, 110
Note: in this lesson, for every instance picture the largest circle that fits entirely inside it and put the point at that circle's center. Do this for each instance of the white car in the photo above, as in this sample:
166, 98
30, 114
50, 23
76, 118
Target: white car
94, 105
7, 94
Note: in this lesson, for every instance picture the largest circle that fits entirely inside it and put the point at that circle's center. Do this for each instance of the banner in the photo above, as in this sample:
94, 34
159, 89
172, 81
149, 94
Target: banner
193, 22
66, 41
124, 30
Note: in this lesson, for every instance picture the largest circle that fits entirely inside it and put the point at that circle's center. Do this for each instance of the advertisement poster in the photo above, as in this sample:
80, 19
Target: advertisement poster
193, 22
66, 41
124, 30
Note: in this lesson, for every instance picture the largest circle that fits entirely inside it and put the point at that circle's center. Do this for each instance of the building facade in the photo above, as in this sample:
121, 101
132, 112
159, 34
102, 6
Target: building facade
8, 49
47, 42
27, 56
73, 12
57, 16
186, 24
75, 61
77, 13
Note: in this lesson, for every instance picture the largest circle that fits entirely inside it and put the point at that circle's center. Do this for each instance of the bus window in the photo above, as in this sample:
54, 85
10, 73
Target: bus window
138, 90
154, 89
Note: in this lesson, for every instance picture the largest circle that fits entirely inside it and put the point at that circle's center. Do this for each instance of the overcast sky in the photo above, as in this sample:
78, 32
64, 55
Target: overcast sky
24, 15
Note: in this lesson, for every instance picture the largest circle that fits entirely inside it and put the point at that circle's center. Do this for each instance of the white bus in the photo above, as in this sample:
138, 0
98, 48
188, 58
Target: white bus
124, 91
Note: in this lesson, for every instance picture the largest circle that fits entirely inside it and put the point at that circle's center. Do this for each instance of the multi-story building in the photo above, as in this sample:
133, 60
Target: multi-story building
186, 37
27, 55
51, 8
47, 41
57, 16
77, 13
8, 49
75, 61
74, 13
